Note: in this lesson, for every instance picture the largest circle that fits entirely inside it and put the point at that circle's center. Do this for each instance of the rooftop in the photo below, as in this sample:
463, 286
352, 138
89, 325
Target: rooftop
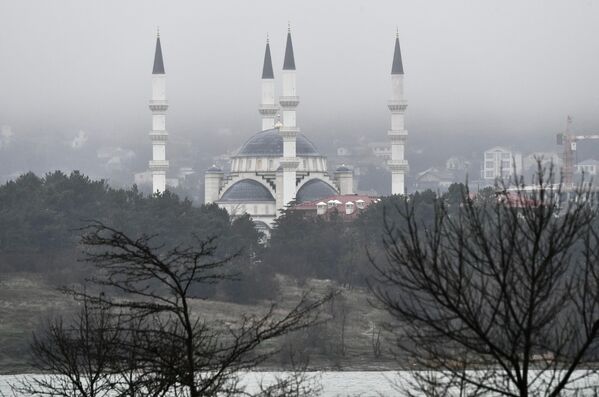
342, 198
269, 143
246, 190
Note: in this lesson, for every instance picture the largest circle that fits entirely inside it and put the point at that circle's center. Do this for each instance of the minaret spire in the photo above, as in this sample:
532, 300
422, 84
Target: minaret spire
289, 62
397, 67
158, 135
397, 134
158, 62
267, 108
267, 72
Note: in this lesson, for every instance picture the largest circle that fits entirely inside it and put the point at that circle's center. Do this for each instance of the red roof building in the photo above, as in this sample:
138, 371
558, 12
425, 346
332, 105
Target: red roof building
348, 206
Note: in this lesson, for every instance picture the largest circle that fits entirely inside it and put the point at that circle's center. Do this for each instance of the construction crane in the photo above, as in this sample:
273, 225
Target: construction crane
568, 140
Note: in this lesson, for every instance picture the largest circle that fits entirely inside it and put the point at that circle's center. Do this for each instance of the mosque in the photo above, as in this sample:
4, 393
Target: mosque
278, 166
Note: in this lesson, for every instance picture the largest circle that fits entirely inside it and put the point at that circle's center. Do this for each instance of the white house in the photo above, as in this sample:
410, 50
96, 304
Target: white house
499, 162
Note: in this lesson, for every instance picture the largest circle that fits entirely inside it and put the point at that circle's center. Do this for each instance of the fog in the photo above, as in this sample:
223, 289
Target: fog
75, 75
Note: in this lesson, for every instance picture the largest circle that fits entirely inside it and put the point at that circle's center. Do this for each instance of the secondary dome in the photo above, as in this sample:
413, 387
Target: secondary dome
315, 189
247, 190
270, 143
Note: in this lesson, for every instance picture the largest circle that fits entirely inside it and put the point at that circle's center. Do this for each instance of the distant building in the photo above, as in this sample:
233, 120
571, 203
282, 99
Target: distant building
587, 167
529, 162
457, 163
434, 179
499, 162
143, 178
347, 206
381, 149
343, 152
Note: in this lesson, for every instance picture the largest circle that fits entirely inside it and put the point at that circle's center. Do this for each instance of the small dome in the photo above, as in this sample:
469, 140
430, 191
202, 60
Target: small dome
342, 168
247, 190
270, 143
315, 189
214, 168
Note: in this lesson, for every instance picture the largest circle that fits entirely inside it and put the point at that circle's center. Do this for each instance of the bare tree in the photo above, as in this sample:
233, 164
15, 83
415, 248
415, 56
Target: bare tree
165, 346
375, 340
339, 309
75, 356
497, 297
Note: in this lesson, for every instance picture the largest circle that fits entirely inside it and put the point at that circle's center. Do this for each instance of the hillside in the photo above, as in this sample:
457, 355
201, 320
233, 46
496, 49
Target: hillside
27, 301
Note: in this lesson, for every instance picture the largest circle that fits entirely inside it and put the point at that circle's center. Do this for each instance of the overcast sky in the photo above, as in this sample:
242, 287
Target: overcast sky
507, 68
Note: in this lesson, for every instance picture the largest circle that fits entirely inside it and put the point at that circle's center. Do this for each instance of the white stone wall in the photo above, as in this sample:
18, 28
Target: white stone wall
212, 182
396, 87
346, 183
397, 183
158, 181
159, 87
158, 151
268, 100
289, 83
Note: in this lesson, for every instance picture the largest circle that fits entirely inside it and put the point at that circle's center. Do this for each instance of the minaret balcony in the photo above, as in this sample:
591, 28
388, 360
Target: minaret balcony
289, 132
158, 135
398, 136
268, 110
289, 101
398, 165
158, 105
158, 165
289, 163
397, 106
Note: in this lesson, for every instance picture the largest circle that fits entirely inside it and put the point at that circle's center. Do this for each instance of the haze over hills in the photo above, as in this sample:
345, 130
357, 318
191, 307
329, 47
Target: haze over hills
69, 69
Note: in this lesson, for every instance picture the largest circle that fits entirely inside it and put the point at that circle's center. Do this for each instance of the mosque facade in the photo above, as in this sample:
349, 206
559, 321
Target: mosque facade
278, 166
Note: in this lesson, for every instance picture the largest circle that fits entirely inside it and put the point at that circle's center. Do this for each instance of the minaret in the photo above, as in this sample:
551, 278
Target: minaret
289, 101
158, 135
268, 109
397, 134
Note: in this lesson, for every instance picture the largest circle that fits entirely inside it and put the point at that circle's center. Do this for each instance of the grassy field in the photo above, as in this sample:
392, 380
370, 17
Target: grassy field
344, 341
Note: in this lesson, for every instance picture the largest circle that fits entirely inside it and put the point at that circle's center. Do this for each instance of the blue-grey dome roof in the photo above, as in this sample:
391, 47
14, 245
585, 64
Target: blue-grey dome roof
270, 143
247, 190
315, 189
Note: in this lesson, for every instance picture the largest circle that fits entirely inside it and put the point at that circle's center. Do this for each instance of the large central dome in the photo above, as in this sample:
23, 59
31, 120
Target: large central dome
270, 143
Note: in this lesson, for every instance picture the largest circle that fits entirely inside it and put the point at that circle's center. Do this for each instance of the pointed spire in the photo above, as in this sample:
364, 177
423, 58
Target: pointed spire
267, 72
397, 67
158, 63
289, 62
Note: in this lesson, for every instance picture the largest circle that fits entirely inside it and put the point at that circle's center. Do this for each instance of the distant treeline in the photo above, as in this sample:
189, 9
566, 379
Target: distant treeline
41, 220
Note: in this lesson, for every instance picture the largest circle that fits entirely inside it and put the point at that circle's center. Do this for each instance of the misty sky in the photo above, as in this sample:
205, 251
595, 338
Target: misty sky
508, 70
